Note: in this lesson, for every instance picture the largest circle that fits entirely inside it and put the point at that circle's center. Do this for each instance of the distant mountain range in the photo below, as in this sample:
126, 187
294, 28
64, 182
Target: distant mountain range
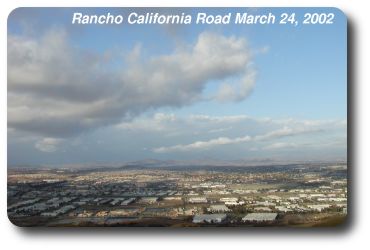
155, 163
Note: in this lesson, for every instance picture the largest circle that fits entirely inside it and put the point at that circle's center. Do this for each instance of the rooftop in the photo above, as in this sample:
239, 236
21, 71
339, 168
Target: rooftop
260, 217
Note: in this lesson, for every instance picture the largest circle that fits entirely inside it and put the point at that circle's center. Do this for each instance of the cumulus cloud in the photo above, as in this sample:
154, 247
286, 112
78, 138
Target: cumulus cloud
239, 91
56, 89
48, 145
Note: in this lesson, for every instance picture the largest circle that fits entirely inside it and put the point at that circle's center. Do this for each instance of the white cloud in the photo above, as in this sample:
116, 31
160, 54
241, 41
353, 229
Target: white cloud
336, 142
59, 90
219, 130
48, 145
202, 126
218, 119
170, 123
205, 145
281, 145
285, 131
237, 92
202, 145
158, 122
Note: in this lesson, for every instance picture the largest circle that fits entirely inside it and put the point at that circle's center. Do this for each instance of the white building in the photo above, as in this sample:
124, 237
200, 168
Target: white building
173, 198
259, 217
229, 199
234, 203
209, 218
320, 207
198, 200
218, 208
283, 209
127, 202
149, 200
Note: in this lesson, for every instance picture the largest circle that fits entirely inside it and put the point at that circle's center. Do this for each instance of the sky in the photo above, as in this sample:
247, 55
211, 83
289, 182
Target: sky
119, 93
